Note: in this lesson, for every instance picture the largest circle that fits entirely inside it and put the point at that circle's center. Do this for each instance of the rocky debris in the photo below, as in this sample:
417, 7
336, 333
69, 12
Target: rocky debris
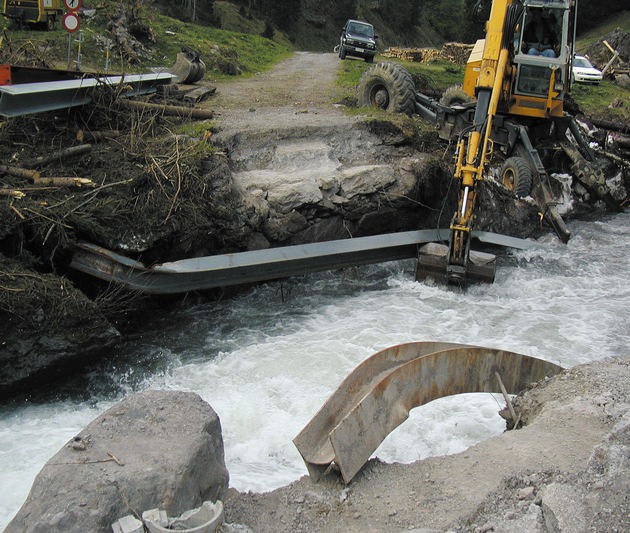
566, 471
156, 449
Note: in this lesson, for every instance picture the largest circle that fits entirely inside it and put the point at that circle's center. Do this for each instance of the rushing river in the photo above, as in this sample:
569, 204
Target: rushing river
268, 359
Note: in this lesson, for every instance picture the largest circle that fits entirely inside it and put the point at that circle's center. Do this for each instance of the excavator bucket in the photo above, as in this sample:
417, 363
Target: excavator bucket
433, 264
480, 267
188, 67
378, 395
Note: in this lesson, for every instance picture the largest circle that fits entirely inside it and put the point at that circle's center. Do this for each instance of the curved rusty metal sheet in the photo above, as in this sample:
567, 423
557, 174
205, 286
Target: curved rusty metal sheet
378, 395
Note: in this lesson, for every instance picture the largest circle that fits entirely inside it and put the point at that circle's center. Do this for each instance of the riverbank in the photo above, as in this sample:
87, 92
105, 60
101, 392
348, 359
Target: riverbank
564, 472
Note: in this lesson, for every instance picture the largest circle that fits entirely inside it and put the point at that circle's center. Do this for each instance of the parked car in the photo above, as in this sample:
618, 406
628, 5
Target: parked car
583, 72
358, 40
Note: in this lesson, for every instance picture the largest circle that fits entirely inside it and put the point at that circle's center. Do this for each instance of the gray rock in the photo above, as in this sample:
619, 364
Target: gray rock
156, 449
623, 80
563, 509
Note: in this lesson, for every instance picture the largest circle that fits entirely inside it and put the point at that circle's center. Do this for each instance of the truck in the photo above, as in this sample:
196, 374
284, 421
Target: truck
40, 14
508, 118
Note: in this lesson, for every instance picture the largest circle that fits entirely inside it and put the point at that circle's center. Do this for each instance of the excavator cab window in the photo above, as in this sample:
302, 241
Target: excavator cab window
540, 47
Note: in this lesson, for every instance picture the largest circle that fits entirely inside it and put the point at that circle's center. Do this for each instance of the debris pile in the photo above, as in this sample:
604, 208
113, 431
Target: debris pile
611, 54
455, 52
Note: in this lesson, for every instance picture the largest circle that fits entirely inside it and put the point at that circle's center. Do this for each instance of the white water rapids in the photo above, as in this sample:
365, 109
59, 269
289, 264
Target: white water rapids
266, 360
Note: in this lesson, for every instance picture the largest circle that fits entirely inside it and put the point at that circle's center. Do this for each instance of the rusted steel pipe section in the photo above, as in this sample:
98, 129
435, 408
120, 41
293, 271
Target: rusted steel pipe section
378, 395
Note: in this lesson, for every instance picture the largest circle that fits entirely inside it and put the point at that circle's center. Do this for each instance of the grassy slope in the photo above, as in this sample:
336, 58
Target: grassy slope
251, 53
594, 100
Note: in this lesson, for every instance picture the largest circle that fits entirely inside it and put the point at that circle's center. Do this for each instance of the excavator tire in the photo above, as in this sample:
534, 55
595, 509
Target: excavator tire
388, 86
517, 176
455, 95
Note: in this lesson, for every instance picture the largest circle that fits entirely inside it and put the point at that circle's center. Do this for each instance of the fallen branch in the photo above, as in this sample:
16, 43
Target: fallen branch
73, 151
609, 125
96, 136
17, 212
172, 110
12, 193
68, 182
19, 172
620, 140
508, 401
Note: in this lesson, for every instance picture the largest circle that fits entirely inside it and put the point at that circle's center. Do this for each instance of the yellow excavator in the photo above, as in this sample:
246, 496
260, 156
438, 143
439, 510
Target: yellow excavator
508, 113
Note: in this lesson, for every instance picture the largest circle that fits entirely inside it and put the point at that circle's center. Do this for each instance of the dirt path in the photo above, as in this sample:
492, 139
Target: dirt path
306, 79
298, 91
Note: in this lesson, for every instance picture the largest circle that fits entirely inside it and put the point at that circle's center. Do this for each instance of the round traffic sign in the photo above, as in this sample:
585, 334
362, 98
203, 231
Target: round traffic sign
71, 22
72, 5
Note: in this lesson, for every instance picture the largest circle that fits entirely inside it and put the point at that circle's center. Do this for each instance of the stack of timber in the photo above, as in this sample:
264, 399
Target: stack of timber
455, 52
406, 54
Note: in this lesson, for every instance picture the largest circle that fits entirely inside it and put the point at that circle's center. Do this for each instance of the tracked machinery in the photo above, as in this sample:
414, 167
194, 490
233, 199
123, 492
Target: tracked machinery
508, 115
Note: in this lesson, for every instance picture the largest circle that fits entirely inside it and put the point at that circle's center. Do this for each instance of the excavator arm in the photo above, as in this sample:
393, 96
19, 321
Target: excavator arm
474, 147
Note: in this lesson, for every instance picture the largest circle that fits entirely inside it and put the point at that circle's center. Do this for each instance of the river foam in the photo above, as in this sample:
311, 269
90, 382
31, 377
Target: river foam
268, 359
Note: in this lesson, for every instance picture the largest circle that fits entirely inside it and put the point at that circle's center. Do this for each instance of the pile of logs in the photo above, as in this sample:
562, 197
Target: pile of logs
455, 52
406, 54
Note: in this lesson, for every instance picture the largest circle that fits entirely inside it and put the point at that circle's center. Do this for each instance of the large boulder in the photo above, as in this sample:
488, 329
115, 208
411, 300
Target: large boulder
155, 449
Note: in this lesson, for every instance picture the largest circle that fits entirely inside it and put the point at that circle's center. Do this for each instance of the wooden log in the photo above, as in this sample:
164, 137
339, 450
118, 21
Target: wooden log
609, 125
65, 182
73, 151
12, 193
19, 172
96, 136
173, 110
620, 140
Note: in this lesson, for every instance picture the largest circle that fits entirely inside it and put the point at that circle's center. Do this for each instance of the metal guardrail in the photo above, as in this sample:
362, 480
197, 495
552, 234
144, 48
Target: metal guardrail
209, 272
39, 97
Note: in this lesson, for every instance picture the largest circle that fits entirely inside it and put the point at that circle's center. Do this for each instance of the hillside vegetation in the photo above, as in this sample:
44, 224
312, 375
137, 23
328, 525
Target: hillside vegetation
135, 36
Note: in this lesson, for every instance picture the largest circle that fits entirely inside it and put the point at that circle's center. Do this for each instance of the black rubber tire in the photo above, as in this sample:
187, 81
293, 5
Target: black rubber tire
388, 86
50, 23
517, 176
455, 95
342, 52
369, 59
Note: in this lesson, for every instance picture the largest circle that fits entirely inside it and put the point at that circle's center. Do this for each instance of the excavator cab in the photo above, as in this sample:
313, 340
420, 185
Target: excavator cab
538, 74
543, 45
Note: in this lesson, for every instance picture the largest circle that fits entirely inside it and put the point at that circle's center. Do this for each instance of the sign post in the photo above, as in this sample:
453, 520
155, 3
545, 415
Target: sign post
71, 21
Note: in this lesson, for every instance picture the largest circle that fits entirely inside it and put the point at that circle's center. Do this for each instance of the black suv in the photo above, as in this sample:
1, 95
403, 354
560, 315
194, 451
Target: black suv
358, 40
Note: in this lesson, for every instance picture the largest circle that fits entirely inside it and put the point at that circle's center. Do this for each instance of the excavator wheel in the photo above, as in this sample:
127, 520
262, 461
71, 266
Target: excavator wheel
388, 86
516, 175
455, 95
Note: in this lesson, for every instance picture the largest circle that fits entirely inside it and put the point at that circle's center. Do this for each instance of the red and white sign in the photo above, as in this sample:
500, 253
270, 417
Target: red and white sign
71, 22
73, 5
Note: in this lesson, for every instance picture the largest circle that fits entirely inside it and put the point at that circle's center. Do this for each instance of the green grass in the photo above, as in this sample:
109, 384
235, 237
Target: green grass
594, 100
249, 53
620, 20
